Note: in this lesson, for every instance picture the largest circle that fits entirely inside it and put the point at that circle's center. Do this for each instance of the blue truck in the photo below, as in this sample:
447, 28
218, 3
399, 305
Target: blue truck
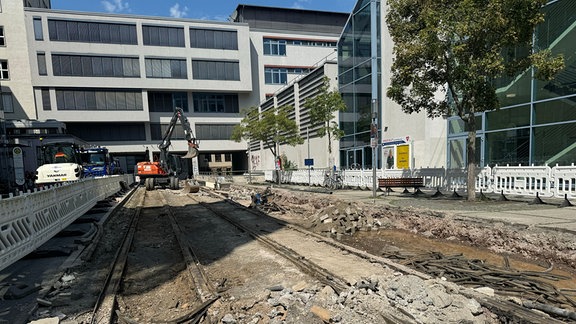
97, 162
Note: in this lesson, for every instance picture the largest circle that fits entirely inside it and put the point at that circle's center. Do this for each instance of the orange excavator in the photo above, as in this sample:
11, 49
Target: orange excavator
164, 171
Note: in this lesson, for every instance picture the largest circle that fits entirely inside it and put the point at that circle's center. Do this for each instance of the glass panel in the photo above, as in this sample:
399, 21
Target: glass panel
38, 34
457, 153
456, 126
555, 111
41, 58
557, 34
555, 145
508, 118
508, 147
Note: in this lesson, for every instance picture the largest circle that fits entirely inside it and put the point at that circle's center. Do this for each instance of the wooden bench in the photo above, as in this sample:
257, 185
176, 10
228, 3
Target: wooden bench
390, 183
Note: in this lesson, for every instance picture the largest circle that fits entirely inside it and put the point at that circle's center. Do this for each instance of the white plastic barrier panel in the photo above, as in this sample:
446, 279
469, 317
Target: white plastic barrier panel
522, 180
433, 177
29, 220
564, 181
456, 179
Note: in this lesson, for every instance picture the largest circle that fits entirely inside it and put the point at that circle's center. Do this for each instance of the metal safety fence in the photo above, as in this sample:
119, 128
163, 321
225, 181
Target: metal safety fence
30, 219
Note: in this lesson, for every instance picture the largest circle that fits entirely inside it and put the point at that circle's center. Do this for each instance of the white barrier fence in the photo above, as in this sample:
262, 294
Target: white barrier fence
30, 219
558, 182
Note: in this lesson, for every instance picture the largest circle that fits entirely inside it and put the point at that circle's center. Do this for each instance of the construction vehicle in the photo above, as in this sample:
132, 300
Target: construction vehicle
164, 171
97, 162
60, 162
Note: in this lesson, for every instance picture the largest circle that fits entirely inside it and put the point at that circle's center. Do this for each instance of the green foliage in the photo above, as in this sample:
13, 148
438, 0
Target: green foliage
273, 127
460, 47
322, 108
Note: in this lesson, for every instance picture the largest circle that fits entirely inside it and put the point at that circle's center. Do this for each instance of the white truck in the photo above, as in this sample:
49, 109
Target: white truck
60, 163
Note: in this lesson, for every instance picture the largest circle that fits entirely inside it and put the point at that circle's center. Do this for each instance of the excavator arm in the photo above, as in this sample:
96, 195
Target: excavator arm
192, 145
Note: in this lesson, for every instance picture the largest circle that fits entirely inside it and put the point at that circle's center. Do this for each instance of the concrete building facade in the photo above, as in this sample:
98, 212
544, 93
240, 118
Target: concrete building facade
114, 79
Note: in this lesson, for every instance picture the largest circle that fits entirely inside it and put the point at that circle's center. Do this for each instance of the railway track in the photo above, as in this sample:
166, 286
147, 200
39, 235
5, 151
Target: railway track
161, 214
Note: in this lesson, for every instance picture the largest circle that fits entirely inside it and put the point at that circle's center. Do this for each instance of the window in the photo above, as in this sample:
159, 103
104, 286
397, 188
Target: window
166, 101
4, 70
215, 70
72, 99
280, 75
46, 99
95, 66
228, 157
163, 36
107, 132
214, 102
275, 75
91, 32
7, 103
38, 34
217, 39
157, 132
217, 157
166, 68
41, 59
274, 46
214, 131
2, 37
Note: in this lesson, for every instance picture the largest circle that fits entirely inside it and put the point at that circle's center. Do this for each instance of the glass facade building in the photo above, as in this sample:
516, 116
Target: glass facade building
536, 123
355, 82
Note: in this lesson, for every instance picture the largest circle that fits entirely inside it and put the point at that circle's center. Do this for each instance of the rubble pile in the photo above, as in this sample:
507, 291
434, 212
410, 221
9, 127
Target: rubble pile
370, 300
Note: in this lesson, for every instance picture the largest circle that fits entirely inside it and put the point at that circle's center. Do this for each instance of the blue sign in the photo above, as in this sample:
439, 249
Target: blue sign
308, 162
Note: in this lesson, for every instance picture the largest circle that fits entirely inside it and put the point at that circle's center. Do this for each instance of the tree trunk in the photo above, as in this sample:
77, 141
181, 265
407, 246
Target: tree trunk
471, 157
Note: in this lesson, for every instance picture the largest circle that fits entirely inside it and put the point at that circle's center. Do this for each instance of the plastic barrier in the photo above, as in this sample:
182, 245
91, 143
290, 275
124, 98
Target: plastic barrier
29, 220
522, 180
564, 178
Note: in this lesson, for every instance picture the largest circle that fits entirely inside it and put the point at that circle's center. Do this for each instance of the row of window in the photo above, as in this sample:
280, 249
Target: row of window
136, 131
96, 99
280, 75
274, 46
109, 66
116, 33
202, 131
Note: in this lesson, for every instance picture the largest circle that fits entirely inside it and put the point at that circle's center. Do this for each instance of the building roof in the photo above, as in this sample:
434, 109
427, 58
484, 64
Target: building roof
289, 19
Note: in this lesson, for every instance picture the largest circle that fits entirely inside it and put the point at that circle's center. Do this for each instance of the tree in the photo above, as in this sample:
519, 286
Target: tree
273, 127
460, 47
322, 108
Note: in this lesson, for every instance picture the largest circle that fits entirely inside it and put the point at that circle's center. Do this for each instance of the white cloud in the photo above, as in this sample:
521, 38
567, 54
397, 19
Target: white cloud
299, 4
177, 12
115, 5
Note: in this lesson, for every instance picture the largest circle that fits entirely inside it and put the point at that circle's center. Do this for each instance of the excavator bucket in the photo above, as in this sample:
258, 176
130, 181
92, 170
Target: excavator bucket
192, 152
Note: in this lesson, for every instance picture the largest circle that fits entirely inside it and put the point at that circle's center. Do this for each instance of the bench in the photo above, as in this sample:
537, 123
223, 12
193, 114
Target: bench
389, 183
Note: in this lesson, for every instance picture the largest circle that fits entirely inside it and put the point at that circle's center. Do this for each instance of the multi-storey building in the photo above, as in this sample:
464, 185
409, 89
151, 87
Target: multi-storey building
536, 124
115, 79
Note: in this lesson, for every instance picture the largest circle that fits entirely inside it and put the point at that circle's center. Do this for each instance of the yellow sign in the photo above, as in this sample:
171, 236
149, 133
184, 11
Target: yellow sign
403, 157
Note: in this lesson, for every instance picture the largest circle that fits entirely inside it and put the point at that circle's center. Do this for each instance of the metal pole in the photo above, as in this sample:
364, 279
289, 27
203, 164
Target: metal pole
374, 81
308, 139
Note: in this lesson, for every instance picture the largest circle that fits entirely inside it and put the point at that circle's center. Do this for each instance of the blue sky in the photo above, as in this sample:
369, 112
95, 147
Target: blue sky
194, 9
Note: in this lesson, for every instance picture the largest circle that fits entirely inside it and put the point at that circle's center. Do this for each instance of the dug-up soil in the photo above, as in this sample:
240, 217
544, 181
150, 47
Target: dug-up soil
365, 227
